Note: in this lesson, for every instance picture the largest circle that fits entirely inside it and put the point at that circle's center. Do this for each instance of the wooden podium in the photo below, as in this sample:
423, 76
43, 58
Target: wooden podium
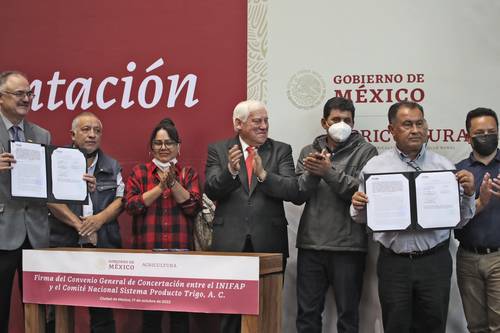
270, 290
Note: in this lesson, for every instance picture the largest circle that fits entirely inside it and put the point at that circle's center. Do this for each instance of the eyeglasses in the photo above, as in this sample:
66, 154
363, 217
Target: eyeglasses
20, 94
158, 144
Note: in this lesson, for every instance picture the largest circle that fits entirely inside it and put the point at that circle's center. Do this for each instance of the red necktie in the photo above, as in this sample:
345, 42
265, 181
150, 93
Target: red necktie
249, 163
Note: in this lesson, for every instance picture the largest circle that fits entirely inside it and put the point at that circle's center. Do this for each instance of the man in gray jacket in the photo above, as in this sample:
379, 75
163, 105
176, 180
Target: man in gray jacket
23, 223
331, 249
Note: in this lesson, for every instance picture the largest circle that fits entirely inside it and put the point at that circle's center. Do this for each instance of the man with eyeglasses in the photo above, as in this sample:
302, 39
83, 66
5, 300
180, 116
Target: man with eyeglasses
414, 267
94, 224
23, 224
249, 176
478, 257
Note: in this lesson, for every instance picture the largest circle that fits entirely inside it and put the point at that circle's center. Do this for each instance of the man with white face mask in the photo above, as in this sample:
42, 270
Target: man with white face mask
331, 249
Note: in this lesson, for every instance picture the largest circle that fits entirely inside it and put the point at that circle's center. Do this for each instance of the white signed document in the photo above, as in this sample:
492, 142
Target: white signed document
438, 200
68, 167
28, 174
388, 205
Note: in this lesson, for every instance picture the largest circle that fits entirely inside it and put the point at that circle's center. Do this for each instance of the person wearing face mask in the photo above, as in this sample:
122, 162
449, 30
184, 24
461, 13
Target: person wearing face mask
331, 249
162, 196
478, 256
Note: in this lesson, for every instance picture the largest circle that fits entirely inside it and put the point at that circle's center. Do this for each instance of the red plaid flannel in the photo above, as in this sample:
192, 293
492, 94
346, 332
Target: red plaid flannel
165, 224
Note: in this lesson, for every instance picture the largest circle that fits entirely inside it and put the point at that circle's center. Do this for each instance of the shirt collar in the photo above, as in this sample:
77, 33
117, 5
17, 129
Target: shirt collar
245, 145
9, 124
91, 168
472, 159
405, 157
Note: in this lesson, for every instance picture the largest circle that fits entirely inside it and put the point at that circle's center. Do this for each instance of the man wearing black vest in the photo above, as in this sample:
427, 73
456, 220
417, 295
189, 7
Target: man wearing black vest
94, 224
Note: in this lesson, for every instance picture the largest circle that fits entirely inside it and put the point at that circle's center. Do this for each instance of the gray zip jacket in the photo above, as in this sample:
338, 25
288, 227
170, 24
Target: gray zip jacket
326, 223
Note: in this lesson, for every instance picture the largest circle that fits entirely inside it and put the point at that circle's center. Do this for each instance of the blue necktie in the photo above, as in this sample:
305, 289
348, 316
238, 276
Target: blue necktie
15, 133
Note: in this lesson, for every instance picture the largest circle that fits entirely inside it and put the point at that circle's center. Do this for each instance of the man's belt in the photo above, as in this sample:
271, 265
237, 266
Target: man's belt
480, 250
415, 254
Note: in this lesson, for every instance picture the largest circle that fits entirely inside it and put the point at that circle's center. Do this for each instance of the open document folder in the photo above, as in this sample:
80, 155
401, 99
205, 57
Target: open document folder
412, 200
48, 173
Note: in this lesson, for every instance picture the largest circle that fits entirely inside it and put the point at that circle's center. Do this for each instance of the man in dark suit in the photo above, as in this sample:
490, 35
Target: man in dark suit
23, 224
249, 176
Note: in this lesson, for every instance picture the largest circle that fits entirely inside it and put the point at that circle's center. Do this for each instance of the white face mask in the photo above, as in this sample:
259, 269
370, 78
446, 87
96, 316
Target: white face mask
339, 132
164, 166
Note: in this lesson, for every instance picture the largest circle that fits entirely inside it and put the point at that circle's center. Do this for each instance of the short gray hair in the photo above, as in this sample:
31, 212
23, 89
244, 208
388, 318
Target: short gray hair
74, 123
243, 109
4, 76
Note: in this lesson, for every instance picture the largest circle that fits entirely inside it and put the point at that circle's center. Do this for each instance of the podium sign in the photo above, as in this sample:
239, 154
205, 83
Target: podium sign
145, 281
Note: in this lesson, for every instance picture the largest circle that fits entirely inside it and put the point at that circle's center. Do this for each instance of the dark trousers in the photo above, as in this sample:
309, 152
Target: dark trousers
316, 272
10, 262
414, 291
151, 322
101, 320
232, 323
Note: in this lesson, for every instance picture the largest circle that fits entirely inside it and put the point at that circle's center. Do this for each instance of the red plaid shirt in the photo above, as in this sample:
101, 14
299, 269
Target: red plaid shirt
165, 224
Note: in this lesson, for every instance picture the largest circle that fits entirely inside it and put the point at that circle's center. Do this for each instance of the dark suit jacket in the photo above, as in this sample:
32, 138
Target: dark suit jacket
19, 218
256, 211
